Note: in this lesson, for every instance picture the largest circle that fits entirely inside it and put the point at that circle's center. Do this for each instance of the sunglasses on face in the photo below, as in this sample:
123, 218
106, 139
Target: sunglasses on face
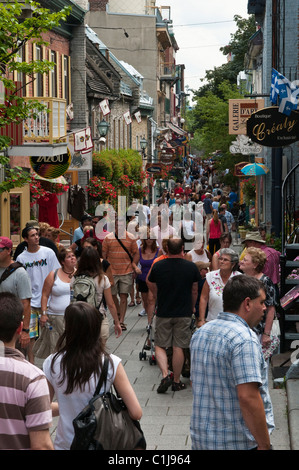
2, 249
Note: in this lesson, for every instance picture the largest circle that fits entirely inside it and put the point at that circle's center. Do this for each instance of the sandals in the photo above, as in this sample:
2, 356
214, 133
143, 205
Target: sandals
138, 300
131, 304
176, 387
165, 384
123, 326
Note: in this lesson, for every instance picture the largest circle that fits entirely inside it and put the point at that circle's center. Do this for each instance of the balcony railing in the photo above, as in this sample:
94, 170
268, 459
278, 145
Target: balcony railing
168, 71
49, 125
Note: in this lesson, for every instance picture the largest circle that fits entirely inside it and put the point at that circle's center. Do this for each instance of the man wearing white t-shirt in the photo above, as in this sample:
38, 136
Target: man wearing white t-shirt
38, 261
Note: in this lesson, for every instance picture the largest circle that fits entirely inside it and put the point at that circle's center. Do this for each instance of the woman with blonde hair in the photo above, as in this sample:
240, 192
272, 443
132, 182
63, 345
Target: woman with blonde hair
253, 264
214, 232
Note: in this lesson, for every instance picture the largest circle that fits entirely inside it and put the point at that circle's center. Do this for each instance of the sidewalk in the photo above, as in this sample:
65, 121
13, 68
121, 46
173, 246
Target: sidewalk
166, 417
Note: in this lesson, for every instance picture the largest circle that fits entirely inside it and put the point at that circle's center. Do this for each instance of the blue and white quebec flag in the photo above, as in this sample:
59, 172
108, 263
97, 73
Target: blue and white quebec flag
287, 92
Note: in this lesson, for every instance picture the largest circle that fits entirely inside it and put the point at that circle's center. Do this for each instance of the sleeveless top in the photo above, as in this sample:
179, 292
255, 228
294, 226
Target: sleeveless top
145, 265
60, 297
215, 230
195, 257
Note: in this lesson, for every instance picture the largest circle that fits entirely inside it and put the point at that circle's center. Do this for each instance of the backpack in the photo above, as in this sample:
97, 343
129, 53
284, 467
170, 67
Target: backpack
84, 290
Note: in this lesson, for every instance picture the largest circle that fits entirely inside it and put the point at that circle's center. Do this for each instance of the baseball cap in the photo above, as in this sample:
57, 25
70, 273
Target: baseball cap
32, 223
5, 242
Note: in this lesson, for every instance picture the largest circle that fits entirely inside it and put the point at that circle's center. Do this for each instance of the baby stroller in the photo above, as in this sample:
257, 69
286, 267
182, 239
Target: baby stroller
146, 347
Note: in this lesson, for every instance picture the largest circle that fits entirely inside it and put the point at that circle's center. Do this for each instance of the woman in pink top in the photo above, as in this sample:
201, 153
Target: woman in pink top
214, 231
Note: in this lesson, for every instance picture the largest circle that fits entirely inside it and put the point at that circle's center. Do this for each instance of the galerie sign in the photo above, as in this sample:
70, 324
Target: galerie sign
270, 128
240, 111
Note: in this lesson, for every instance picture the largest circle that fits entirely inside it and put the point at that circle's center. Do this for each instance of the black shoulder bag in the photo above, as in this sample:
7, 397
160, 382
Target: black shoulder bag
123, 246
9, 270
105, 424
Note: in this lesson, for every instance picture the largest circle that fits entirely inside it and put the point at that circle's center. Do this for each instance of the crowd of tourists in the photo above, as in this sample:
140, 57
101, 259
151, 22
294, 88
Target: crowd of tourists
207, 305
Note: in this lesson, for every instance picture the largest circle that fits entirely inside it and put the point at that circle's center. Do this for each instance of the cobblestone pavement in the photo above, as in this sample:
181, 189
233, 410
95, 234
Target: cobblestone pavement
166, 417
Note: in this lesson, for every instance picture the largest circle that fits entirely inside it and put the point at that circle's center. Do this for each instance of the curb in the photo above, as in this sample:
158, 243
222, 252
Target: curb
292, 389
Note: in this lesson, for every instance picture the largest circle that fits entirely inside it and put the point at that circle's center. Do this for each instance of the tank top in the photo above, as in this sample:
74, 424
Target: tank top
195, 257
145, 265
60, 297
215, 230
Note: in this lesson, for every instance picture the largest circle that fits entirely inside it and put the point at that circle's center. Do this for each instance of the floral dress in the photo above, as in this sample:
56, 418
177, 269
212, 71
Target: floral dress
216, 285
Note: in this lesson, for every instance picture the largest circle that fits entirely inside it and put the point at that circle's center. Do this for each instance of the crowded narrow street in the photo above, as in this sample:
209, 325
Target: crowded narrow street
149, 239
166, 418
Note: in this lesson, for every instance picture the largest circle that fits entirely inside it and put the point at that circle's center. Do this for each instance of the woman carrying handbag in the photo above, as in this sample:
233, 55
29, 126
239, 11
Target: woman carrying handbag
73, 371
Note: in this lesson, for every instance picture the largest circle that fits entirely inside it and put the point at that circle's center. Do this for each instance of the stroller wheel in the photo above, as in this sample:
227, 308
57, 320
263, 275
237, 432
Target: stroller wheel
144, 355
140, 356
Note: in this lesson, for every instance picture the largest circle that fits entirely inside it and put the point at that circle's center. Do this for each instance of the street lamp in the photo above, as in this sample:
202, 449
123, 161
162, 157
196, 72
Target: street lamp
143, 145
103, 128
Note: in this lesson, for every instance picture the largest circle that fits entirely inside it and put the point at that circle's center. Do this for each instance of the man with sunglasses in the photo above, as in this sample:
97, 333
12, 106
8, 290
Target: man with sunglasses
16, 281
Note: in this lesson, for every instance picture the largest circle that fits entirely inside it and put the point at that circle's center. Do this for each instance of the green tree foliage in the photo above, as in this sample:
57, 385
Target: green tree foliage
237, 47
208, 120
17, 29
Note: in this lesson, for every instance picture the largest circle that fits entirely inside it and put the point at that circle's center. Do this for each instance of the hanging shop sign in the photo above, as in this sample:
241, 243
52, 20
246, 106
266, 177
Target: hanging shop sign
238, 168
51, 166
243, 145
153, 167
240, 111
270, 128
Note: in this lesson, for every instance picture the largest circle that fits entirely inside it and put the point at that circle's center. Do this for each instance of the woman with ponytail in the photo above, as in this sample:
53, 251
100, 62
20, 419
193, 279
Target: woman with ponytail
214, 232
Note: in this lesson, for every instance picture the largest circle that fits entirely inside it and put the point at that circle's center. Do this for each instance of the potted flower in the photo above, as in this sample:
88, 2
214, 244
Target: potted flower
249, 190
99, 189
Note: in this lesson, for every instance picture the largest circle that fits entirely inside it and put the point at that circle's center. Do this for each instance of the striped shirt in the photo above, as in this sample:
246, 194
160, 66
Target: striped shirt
116, 255
225, 353
24, 401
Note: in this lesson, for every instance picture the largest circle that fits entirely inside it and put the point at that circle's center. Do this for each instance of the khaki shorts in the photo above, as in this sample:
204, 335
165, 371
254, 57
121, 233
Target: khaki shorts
173, 332
122, 284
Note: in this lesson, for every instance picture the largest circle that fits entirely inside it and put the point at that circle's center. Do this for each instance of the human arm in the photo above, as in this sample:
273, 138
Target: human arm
208, 229
215, 262
40, 440
252, 408
24, 337
54, 406
46, 291
109, 274
136, 257
113, 311
266, 339
203, 302
126, 391
194, 294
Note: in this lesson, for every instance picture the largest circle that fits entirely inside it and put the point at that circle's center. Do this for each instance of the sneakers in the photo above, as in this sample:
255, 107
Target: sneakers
165, 384
142, 313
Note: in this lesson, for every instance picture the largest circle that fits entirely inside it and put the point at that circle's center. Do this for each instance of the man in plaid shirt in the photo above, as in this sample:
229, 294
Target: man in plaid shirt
232, 408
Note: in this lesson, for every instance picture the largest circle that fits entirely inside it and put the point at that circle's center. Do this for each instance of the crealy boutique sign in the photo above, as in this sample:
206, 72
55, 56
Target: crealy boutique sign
270, 128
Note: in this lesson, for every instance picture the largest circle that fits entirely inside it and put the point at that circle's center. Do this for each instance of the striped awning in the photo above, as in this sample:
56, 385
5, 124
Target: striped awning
176, 129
